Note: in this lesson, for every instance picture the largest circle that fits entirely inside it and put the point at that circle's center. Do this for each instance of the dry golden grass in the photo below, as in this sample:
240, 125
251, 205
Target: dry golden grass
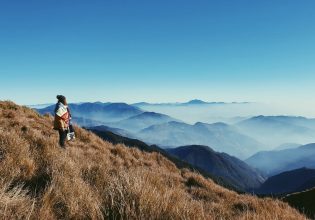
93, 179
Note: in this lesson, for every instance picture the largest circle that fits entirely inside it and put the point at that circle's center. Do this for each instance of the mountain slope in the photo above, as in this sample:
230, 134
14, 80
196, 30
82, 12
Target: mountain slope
93, 179
103, 112
220, 164
287, 146
221, 137
274, 162
105, 128
289, 182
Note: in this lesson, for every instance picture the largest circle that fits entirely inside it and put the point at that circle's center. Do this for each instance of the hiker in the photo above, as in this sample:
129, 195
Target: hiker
62, 120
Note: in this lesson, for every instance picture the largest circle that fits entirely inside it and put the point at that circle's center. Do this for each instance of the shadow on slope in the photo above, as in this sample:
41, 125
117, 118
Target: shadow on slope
233, 170
288, 182
303, 201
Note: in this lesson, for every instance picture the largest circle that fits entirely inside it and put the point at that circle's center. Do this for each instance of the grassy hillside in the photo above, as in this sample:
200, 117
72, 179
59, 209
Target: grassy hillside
93, 179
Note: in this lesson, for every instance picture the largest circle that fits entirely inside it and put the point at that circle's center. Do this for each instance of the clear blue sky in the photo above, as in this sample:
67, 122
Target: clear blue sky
157, 50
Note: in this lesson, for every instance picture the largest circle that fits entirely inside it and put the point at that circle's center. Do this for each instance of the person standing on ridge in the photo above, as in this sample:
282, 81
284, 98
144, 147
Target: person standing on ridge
62, 119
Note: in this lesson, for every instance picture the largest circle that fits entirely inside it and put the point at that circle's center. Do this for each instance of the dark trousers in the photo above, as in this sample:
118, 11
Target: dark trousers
71, 129
62, 137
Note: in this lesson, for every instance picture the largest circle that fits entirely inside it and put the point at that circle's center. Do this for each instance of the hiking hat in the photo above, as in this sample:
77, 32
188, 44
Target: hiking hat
61, 98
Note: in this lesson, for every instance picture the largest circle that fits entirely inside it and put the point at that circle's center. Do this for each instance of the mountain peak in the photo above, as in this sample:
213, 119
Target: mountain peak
217, 124
198, 123
196, 101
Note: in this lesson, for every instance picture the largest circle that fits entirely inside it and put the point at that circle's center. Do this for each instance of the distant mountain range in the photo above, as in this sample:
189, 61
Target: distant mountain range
241, 139
277, 130
288, 182
191, 102
275, 162
220, 136
97, 111
208, 112
161, 129
220, 164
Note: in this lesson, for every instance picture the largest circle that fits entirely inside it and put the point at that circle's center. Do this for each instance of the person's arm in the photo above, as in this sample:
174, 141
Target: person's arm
61, 123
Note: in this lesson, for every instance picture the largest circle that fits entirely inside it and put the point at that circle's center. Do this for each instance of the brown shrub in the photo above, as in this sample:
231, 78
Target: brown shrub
15, 203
